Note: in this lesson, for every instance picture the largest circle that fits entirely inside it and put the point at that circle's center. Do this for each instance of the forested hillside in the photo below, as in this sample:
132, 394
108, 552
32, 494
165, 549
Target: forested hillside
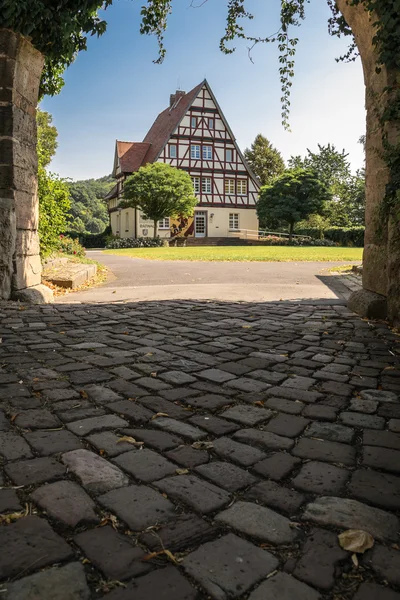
88, 212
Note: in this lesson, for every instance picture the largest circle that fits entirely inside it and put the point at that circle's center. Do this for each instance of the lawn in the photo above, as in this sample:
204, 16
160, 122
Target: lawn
245, 253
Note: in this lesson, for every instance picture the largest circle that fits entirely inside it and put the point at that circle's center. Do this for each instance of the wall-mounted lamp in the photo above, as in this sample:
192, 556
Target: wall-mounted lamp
212, 215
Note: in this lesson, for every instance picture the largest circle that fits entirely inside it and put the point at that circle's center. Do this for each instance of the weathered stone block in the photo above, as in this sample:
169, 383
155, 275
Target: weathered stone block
368, 304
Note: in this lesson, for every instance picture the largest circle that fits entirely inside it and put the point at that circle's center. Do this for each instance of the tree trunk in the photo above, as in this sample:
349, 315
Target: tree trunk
155, 221
291, 227
20, 267
381, 268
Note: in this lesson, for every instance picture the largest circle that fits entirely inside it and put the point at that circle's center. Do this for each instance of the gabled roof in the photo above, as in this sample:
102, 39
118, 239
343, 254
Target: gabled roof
131, 155
168, 121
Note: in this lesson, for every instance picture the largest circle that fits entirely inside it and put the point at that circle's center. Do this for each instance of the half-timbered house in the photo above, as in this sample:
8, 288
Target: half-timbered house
191, 134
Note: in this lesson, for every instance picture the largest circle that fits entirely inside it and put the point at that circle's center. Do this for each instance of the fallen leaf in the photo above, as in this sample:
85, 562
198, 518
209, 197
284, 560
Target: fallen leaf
84, 394
13, 417
149, 354
154, 374
182, 471
246, 326
112, 519
202, 445
114, 292
155, 554
356, 540
86, 561
61, 332
11, 517
129, 440
258, 403
160, 414
355, 560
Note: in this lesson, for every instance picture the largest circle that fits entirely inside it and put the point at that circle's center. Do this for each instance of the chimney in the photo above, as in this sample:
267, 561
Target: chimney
174, 97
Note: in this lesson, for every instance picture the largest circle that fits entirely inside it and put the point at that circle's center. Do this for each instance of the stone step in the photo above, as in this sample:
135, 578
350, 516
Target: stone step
69, 275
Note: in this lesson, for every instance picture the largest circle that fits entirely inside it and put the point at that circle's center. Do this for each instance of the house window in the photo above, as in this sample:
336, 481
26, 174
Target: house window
172, 151
195, 152
210, 123
233, 221
229, 186
127, 221
242, 187
163, 223
206, 185
207, 152
193, 121
228, 155
196, 185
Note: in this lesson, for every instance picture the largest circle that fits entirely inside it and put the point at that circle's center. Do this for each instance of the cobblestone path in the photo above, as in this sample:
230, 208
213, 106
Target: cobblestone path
189, 450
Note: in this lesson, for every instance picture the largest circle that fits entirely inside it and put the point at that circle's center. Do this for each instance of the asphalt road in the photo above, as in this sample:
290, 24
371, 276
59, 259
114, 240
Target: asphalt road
133, 279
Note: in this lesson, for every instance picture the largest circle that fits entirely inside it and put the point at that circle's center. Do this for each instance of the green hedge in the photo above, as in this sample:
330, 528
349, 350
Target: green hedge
92, 240
343, 236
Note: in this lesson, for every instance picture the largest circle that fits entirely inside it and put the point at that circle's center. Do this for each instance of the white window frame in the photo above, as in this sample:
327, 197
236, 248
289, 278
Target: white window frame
196, 185
241, 184
226, 155
175, 147
206, 185
164, 223
193, 122
211, 123
195, 152
229, 186
234, 222
207, 152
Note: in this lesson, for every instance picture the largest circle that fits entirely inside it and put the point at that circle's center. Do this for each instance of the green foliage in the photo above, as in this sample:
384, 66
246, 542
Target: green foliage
53, 192
342, 236
265, 161
317, 222
70, 246
54, 204
140, 242
347, 205
88, 209
294, 196
93, 240
160, 191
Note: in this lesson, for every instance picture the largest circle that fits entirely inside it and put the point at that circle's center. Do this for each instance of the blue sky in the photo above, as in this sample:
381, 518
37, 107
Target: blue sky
115, 91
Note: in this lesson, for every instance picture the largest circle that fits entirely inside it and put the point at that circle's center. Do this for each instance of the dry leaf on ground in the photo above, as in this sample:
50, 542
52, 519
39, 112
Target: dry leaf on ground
356, 540
159, 414
202, 445
129, 440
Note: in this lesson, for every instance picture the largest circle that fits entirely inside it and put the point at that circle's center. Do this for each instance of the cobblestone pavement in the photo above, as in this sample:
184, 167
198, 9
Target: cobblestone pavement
191, 450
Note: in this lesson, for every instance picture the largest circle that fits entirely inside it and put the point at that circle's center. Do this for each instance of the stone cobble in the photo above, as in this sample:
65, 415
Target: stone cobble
236, 441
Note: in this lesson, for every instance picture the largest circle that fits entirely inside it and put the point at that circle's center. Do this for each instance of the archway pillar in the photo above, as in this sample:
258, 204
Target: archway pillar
20, 267
381, 264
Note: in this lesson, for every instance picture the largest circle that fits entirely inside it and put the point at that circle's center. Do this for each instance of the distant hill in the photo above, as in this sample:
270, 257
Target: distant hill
88, 212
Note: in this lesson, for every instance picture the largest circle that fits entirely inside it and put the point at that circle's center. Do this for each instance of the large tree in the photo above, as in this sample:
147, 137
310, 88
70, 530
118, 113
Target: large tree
265, 161
160, 191
347, 205
58, 31
292, 197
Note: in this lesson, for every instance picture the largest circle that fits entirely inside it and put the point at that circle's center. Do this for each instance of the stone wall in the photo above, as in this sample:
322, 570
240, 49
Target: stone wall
20, 71
381, 272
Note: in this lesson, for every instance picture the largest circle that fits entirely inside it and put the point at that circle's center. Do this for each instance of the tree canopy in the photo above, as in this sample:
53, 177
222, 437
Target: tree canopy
88, 209
294, 196
265, 161
347, 205
160, 191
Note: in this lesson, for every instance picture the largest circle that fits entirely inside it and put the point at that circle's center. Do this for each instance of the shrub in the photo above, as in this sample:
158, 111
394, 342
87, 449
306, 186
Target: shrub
140, 242
274, 240
92, 240
67, 245
343, 236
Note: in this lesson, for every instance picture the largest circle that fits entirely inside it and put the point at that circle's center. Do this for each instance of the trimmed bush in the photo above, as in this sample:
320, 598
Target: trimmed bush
92, 240
117, 243
274, 240
342, 236
67, 245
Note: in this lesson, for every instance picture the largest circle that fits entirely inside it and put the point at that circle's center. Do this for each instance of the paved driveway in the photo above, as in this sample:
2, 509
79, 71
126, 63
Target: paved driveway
138, 279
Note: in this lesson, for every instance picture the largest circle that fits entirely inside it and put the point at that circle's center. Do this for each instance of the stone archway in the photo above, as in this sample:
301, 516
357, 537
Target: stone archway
20, 271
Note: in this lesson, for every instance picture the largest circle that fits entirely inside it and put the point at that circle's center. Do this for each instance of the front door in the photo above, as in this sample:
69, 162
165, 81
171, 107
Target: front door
200, 224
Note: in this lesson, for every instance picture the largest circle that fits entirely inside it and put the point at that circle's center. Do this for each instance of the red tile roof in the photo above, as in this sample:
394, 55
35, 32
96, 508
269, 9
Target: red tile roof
133, 155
